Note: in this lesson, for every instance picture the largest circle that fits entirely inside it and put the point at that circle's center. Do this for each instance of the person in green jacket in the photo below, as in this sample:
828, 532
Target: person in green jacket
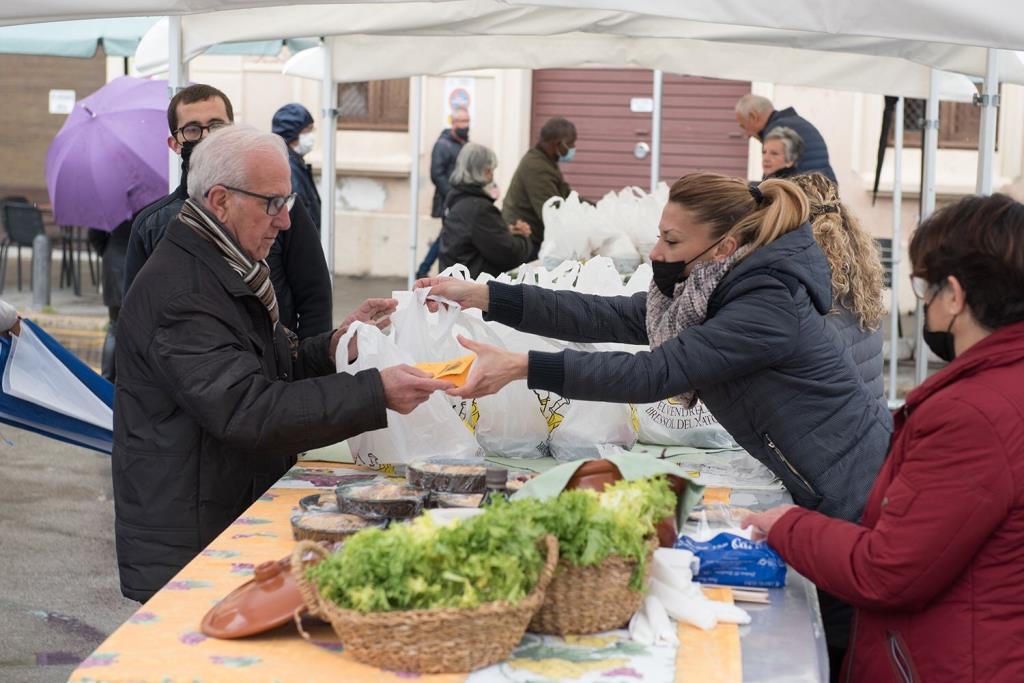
538, 178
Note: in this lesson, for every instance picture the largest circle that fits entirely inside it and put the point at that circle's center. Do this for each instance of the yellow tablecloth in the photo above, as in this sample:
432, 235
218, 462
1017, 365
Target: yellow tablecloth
162, 640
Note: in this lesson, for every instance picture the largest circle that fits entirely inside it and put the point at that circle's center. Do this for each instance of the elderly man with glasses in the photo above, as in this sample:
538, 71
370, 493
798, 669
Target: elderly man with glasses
298, 269
214, 395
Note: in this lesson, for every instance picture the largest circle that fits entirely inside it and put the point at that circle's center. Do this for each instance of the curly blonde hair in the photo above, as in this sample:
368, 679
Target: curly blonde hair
853, 256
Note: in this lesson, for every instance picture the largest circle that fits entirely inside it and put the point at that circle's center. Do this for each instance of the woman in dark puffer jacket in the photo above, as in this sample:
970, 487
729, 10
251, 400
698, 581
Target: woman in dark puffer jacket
473, 232
857, 276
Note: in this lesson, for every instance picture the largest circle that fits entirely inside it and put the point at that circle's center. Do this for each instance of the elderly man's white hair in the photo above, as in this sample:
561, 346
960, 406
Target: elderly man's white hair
221, 158
749, 104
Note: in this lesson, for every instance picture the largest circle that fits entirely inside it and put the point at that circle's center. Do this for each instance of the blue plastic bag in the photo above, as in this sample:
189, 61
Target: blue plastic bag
731, 560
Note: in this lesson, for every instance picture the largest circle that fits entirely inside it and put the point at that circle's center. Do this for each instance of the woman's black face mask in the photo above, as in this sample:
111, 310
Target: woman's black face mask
667, 274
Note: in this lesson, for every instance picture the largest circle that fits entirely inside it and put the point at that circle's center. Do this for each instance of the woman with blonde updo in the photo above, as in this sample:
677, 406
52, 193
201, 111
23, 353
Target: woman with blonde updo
857, 272
735, 316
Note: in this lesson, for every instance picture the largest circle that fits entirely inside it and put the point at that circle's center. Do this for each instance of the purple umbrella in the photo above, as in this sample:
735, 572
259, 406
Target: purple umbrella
110, 158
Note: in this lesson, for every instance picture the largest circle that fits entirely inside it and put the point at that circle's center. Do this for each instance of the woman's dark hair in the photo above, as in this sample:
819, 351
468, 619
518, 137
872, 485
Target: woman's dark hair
980, 242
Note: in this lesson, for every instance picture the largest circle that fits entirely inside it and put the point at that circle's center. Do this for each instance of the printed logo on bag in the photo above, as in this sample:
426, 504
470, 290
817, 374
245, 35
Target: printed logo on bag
373, 462
552, 410
469, 413
634, 418
673, 414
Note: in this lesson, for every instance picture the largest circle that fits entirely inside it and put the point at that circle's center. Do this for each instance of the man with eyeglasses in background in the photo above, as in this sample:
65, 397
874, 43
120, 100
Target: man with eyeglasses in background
298, 269
214, 398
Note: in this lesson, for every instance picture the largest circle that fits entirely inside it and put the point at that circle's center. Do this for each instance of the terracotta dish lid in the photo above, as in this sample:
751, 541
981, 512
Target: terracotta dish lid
270, 599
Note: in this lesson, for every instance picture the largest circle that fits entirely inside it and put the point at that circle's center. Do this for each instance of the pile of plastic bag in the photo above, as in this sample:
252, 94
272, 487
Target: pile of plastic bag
622, 226
517, 421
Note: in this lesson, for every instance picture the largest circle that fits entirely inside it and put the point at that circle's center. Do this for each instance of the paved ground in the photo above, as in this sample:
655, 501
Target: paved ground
59, 595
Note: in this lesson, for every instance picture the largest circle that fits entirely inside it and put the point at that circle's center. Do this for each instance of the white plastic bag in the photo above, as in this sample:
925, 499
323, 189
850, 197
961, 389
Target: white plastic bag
511, 422
432, 429
670, 423
565, 230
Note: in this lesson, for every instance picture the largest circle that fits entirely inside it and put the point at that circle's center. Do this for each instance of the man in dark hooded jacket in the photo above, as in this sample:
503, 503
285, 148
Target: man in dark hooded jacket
294, 123
298, 269
442, 163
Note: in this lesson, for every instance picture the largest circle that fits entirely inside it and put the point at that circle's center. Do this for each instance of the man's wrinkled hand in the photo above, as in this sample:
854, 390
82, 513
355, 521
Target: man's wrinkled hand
405, 387
375, 312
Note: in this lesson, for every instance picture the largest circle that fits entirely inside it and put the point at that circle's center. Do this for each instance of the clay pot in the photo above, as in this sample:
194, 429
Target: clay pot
597, 474
269, 600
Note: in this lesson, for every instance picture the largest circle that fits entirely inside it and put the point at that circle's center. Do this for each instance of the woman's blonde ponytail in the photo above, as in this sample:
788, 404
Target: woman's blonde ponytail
730, 206
784, 207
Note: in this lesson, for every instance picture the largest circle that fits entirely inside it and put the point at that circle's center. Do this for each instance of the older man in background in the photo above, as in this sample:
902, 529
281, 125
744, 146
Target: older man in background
757, 117
538, 178
214, 395
442, 162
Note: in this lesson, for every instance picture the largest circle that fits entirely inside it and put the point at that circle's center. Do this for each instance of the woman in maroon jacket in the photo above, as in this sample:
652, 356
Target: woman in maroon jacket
936, 566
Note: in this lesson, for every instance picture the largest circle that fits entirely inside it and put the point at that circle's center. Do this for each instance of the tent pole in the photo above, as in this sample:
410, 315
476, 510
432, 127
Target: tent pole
989, 102
930, 151
896, 253
415, 123
658, 78
328, 174
177, 79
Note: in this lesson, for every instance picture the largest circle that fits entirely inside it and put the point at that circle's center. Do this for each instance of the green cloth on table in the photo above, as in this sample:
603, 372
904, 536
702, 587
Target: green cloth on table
631, 466
336, 452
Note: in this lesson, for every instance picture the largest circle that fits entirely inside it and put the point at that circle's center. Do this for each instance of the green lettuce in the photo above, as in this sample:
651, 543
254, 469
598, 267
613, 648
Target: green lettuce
495, 556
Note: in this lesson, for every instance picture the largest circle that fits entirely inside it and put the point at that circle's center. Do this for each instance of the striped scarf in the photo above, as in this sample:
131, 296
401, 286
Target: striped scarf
255, 274
666, 317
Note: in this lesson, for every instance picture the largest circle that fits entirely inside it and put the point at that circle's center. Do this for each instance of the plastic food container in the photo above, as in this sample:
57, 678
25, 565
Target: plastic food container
329, 526
380, 498
319, 502
448, 475
457, 500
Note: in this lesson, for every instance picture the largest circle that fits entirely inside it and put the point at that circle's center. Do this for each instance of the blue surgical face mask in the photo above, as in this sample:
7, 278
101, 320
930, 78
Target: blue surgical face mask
570, 152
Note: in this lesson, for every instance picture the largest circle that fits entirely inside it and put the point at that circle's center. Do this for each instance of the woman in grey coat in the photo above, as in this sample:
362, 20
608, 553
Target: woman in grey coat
857, 272
735, 316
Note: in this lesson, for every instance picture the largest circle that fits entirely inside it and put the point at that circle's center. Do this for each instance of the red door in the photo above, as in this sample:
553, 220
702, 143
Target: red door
699, 130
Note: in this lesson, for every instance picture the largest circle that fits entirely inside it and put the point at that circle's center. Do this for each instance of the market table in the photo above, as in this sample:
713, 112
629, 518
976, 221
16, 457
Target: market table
162, 640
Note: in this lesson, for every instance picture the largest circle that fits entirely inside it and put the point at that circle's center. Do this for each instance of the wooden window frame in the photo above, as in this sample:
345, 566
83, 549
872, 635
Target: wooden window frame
377, 101
947, 111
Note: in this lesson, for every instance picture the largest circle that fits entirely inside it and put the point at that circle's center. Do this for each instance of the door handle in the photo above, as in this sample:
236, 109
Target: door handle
641, 132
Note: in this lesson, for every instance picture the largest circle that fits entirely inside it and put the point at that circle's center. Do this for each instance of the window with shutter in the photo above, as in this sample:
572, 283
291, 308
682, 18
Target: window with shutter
374, 105
959, 124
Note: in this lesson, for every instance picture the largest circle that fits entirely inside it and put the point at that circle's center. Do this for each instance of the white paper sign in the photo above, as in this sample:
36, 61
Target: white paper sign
459, 93
62, 101
641, 105
35, 375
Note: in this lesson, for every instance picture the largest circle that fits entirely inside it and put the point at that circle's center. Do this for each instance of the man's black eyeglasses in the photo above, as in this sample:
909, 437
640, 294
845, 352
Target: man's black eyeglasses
275, 202
193, 132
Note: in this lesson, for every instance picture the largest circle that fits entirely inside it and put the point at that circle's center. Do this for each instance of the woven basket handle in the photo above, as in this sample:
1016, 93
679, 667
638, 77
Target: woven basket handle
298, 570
548, 571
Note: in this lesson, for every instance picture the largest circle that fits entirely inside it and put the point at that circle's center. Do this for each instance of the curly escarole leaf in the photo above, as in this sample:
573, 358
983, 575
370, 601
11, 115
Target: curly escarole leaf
494, 556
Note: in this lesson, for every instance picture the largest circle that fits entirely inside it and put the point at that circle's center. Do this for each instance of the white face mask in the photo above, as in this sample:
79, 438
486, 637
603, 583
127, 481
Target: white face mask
306, 141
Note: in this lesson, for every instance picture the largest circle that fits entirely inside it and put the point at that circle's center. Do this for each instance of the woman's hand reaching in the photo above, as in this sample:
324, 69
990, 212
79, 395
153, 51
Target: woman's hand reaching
493, 368
464, 293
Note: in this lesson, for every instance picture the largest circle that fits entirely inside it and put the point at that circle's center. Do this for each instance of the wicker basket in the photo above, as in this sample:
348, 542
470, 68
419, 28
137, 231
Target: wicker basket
584, 600
443, 640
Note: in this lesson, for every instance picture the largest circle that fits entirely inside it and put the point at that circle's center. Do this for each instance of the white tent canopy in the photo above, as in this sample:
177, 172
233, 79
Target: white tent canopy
987, 23
371, 57
464, 18
982, 23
